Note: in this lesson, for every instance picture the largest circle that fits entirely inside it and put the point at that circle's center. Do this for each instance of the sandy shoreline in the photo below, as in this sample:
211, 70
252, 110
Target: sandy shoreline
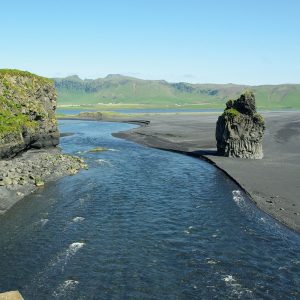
273, 183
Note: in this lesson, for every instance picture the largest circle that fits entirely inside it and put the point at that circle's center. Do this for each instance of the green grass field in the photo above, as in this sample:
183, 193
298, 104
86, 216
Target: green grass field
116, 91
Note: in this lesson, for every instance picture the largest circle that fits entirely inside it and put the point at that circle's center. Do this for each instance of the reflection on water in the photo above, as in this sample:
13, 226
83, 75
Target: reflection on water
143, 224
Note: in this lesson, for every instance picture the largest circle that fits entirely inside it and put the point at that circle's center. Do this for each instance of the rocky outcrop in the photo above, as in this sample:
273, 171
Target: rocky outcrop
27, 122
240, 129
15, 295
27, 107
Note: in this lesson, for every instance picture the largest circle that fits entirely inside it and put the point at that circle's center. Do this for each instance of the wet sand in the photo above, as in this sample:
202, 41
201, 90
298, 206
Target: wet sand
273, 183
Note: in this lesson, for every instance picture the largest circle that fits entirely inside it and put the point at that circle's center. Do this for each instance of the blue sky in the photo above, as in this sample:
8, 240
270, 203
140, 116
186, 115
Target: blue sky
246, 41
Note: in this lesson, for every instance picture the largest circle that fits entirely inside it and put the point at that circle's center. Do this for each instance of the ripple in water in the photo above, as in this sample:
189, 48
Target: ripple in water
63, 258
73, 248
54, 268
65, 289
43, 222
159, 225
237, 290
103, 162
237, 197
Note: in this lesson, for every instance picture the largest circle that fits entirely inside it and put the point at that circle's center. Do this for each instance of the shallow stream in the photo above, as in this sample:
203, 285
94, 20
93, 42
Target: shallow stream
143, 223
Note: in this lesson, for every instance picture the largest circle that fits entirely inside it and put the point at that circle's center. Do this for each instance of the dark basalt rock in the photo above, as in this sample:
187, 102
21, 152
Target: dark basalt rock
240, 129
27, 113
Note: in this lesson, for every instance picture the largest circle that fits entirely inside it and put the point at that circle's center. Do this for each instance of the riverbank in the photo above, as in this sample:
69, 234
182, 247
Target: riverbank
272, 183
29, 171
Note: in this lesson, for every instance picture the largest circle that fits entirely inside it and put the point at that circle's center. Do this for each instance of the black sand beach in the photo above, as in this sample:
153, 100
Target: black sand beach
273, 182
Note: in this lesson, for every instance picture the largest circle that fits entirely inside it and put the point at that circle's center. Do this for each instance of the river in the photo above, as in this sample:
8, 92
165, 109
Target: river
143, 223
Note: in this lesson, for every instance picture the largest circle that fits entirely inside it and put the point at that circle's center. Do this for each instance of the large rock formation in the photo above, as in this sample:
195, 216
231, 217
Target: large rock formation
240, 129
27, 107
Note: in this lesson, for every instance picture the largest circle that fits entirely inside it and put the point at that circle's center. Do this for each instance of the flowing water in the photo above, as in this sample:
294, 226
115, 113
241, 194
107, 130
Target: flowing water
143, 223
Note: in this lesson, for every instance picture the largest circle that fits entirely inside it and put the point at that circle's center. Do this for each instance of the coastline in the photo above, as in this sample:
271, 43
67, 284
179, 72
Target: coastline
271, 183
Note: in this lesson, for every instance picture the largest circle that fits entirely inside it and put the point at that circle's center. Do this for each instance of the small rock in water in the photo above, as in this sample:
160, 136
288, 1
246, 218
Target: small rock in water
73, 171
39, 182
97, 149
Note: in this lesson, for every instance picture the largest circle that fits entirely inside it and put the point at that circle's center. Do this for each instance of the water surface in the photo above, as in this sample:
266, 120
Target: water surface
138, 110
143, 223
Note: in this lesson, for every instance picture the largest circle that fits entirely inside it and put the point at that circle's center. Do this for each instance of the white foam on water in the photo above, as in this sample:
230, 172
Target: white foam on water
103, 162
237, 289
237, 197
71, 251
188, 231
78, 219
65, 288
114, 150
44, 222
296, 262
74, 247
57, 266
63, 257
212, 262
229, 278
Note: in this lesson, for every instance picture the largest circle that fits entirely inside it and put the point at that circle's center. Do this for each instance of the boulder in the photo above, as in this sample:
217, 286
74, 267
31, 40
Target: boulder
240, 129
27, 112
14, 295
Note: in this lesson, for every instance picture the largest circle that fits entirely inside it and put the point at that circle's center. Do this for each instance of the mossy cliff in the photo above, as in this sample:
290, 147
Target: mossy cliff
27, 112
240, 129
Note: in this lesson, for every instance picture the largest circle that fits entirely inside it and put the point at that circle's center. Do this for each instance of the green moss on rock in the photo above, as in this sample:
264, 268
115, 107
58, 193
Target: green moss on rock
259, 118
10, 123
231, 113
19, 73
27, 108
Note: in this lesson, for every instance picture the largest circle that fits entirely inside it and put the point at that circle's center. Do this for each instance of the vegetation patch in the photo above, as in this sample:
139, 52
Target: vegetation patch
231, 113
10, 123
19, 73
20, 106
258, 118
120, 90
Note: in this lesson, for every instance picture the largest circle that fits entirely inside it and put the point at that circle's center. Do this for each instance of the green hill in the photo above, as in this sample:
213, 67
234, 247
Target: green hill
120, 89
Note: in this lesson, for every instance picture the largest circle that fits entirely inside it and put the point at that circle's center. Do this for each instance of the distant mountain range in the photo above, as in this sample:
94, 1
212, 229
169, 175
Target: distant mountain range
124, 89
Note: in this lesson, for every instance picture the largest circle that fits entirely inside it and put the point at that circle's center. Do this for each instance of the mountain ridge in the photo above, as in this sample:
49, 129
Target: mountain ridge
117, 88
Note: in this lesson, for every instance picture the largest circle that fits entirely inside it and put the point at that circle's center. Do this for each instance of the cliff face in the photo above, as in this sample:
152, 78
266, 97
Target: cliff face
27, 107
240, 129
